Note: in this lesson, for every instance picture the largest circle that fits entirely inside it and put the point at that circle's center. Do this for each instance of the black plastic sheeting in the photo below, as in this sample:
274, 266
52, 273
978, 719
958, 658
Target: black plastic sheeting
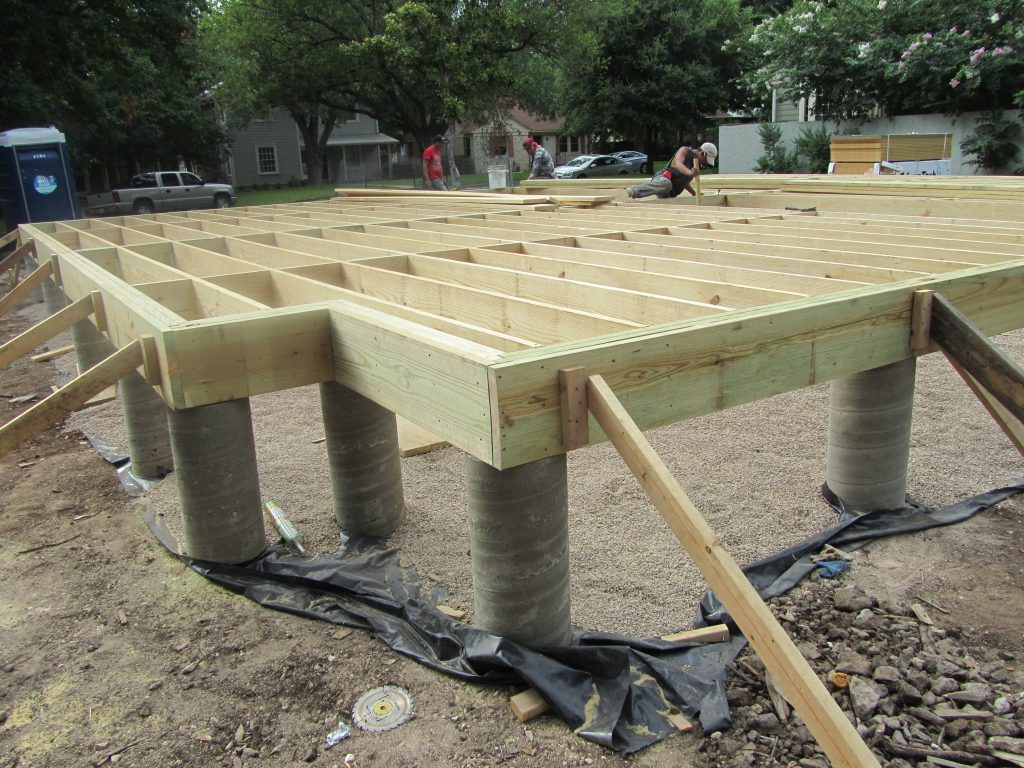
614, 691
133, 485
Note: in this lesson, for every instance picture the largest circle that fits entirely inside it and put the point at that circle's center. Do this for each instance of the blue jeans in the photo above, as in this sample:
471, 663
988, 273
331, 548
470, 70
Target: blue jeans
658, 185
438, 184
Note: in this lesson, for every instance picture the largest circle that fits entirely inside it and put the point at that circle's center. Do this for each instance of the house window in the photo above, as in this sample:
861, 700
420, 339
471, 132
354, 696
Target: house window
266, 159
467, 145
354, 156
568, 144
348, 117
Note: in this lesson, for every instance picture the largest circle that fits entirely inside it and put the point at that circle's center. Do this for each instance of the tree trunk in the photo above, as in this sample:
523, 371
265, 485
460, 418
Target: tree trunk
315, 130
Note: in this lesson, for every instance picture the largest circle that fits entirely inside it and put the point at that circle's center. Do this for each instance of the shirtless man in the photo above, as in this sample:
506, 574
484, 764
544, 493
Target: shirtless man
671, 180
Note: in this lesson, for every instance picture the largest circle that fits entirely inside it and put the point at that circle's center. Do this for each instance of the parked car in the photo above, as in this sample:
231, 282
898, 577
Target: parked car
158, 192
637, 160
592, 165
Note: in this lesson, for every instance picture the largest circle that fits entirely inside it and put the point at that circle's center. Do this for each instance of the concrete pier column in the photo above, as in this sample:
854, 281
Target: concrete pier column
145, 418
54, 296
365, 463
519, 539
869, 436
91, 346
218, 482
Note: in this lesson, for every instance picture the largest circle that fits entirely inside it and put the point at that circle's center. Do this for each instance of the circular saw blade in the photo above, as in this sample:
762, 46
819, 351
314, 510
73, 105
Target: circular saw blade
382, 709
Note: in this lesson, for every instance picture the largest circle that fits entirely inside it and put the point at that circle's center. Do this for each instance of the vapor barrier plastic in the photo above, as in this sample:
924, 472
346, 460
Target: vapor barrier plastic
609, 689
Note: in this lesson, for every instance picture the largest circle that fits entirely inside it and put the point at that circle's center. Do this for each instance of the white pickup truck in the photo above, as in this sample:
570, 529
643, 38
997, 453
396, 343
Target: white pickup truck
158, 192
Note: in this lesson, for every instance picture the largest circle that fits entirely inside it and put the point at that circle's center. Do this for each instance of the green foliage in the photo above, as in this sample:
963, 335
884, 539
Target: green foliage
416, 65
119, 77
776, 158
995, 143
904, 56
816, 145
648, 71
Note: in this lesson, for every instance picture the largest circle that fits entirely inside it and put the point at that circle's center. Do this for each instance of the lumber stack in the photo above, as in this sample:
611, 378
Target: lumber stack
857, 155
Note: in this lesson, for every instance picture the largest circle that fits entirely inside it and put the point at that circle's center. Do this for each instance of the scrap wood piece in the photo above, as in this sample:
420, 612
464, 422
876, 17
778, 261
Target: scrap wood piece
1002, 377
528, 704
70, 397
793, 675
1011, 426
23, 289
48, 546
50, 354
43, 331
716, 633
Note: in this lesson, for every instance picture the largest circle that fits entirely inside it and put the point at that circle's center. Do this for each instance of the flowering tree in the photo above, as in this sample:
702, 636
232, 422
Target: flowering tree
900, 56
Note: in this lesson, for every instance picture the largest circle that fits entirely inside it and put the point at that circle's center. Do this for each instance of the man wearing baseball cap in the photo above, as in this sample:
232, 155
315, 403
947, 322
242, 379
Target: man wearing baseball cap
541, 164
433, 173
671, 180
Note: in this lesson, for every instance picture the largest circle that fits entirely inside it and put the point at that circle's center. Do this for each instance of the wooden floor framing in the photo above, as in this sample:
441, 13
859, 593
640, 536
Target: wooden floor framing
459, 315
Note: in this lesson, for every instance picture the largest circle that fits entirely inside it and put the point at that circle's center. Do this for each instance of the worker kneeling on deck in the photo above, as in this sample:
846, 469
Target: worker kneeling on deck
671, 180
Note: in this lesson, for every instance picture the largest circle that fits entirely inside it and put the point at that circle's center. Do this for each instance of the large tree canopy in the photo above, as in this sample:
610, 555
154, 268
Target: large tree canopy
903, 56
415, 66
118, 76
650, 70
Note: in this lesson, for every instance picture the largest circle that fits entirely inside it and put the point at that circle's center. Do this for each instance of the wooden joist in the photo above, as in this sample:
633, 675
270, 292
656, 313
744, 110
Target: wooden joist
795, 678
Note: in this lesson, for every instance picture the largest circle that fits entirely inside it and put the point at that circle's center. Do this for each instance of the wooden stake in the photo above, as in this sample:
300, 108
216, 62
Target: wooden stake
794, 677
25, 287
921, 321
716, 633
42, 332
575, 423
50, 354
70, 397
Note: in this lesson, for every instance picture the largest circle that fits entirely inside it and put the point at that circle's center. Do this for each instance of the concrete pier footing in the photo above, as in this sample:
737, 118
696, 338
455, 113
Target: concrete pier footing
519, 539
365, 463
869, 436
145, 418
218, 481
53, 296
91, 346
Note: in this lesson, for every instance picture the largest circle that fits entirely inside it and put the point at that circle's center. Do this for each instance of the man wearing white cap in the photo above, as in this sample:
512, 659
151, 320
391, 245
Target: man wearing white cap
671, 180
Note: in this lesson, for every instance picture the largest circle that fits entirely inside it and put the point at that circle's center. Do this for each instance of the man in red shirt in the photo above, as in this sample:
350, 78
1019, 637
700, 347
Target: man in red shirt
433, 173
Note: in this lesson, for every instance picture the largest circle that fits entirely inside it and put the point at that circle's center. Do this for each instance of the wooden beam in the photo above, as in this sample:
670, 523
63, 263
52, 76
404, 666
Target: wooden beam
70, 397
797, 681
13, 259
1011, 426
42, 332
24, 289
971, 348
575, 427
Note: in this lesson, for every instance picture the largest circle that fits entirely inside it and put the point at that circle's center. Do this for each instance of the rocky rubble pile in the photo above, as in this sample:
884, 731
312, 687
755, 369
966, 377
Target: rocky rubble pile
912, 690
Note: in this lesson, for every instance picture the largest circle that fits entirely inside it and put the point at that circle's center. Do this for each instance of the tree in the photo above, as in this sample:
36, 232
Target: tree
416, 66
900, 56
119, 77
652, 70
776, 158
995, 143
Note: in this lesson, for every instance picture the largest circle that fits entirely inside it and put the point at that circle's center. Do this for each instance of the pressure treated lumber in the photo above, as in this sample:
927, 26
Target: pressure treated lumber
1012, 427
791, 672
50, 354
24, 289
42, 332
70, 397
971, 348
13, 259
9, 238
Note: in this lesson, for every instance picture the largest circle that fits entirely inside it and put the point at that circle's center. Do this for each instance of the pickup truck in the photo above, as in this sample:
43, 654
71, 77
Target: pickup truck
158, 192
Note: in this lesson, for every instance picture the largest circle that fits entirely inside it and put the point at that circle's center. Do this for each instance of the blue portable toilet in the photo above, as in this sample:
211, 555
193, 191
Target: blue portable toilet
36, 181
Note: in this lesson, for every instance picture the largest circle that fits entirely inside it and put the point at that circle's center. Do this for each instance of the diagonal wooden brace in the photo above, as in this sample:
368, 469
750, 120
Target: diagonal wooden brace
790, 671
966, 343
24, 289
42, 332
14, 258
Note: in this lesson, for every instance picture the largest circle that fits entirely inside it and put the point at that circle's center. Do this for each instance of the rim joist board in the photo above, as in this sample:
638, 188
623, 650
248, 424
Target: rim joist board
458, 316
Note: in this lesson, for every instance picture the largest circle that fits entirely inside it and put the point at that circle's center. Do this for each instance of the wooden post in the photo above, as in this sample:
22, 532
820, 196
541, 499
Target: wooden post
572, 383
792, 674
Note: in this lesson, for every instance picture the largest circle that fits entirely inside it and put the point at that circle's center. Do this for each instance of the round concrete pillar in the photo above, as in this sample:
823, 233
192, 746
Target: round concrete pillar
145, 418
869, 436
53, 296
365, 463
91, 346
519, 539
218, 482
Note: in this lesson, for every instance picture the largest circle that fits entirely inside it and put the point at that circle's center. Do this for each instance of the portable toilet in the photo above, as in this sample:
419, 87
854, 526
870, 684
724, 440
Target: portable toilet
36, 181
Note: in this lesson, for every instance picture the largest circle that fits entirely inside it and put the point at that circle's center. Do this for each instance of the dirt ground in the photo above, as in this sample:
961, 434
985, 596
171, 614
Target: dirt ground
113, 651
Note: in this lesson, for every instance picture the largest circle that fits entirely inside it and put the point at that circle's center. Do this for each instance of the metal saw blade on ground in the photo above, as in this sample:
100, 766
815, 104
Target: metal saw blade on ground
382, 709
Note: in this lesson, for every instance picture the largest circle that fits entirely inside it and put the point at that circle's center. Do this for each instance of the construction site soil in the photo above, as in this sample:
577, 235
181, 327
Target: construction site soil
113, 651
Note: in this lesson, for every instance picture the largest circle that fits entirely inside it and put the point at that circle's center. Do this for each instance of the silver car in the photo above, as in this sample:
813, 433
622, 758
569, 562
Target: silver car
586, 166
637, 160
